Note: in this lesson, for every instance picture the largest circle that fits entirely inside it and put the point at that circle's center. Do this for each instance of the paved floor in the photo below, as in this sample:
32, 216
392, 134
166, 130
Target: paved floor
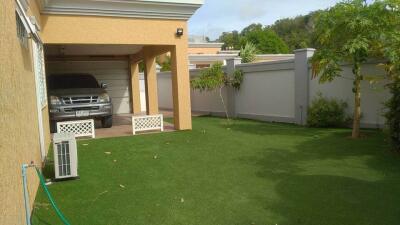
122, 126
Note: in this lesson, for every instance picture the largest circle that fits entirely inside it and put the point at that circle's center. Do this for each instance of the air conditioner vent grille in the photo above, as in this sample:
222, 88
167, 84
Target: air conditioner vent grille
63, 153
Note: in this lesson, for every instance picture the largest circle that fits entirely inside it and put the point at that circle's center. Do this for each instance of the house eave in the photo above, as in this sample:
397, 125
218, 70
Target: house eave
147, 9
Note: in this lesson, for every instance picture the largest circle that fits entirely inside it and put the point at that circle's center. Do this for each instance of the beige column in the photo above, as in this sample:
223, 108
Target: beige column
135, 88
181, 87
150, 82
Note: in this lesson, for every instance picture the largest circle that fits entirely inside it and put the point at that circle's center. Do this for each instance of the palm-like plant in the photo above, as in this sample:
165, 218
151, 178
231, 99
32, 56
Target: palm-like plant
248, 53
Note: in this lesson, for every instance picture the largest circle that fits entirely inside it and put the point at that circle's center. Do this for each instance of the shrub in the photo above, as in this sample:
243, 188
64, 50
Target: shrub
248, 53
325, 112
393, 114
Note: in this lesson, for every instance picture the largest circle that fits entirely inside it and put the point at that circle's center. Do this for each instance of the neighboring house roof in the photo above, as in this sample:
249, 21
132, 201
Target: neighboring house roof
194, 58
206, 45
153, 9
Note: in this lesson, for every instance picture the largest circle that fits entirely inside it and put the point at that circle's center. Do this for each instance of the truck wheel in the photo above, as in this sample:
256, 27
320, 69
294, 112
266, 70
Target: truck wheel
106, 122
53, 126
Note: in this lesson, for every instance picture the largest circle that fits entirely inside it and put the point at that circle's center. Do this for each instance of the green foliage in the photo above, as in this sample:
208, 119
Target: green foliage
237, 79
210, 79
393, 114
348, 32
214, 78
165, 64
324, 112
231, 40
248, 53
264, 38
344, 33
296, 32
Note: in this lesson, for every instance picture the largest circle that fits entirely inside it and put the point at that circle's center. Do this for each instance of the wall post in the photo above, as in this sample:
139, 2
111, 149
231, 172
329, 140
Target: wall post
231, 92
302, 83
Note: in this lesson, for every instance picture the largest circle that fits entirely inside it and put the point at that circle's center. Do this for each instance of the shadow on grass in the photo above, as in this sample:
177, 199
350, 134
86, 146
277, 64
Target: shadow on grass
332, 179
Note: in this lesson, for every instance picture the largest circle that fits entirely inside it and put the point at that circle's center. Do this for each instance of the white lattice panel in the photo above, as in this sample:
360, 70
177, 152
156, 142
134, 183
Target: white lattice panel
146, 123
81, 128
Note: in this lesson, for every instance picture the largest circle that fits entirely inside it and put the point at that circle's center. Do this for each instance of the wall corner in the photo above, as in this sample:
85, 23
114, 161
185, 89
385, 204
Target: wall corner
302, 83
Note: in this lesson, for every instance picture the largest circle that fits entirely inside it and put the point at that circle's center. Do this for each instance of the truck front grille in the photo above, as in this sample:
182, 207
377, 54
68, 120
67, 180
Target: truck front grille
74, 109
80, 100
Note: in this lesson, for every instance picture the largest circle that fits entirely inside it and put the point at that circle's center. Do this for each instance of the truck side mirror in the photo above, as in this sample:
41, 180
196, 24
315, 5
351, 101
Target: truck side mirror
103, 85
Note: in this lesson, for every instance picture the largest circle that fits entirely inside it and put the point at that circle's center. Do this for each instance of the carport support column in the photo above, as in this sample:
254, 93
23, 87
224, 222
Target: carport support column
302, 83
181, 87
135, 88
150, 74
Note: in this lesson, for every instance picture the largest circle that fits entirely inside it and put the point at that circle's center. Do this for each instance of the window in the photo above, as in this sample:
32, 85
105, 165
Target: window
22, 33
41, 89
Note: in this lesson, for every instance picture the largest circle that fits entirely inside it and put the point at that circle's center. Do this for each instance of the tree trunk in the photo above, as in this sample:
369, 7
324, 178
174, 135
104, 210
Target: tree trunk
223, 102
357, 102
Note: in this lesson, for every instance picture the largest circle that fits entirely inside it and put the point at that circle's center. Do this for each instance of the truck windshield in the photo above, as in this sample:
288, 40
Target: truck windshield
72, 81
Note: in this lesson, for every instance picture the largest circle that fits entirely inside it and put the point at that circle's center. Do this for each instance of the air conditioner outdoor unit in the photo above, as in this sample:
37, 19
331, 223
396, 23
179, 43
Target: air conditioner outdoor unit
65, 156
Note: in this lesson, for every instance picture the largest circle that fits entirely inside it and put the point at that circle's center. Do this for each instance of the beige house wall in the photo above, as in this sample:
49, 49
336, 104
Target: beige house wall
62, 29
18, 122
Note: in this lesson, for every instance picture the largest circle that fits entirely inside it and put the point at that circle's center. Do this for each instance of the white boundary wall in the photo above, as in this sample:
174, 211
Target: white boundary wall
373, 96
281, 91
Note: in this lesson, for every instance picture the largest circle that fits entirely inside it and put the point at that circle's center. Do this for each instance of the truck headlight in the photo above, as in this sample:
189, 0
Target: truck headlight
104, 98
54, 100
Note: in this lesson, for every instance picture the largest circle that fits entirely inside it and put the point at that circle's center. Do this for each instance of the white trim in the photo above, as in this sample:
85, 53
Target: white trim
38, 104
154, 9
31, 29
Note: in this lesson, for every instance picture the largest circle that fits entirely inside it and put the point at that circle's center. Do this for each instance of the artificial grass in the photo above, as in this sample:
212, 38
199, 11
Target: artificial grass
245, 173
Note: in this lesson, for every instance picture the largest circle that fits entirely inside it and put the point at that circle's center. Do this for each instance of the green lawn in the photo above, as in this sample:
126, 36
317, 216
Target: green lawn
247, 173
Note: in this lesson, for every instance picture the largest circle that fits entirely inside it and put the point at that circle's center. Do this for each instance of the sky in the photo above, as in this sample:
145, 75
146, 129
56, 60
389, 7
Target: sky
217, 16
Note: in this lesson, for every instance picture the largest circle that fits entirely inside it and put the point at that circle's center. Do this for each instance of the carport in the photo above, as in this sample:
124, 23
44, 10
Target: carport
111, 49
131, 92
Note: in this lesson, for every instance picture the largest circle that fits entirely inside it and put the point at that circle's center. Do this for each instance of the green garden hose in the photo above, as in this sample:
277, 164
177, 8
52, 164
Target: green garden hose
46, 190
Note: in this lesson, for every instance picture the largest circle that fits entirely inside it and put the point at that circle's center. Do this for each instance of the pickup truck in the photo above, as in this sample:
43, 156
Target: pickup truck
76, 97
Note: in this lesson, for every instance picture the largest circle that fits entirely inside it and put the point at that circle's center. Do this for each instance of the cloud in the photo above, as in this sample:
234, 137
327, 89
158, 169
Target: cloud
252, 9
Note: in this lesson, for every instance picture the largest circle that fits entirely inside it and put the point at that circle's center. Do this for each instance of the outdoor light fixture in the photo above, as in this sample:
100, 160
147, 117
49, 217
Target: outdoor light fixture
179, 32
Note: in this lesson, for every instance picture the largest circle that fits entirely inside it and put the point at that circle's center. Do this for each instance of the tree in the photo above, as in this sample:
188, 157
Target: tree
389, 20
296, 32
345, 33
248, 53
265, 39
214, 78
231, 40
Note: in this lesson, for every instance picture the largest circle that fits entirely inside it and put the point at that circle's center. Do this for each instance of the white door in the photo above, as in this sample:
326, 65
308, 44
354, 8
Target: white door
114, 73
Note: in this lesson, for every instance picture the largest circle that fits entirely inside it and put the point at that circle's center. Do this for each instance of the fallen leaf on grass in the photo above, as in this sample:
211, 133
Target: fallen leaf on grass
107, 153
122, 186
182, 200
